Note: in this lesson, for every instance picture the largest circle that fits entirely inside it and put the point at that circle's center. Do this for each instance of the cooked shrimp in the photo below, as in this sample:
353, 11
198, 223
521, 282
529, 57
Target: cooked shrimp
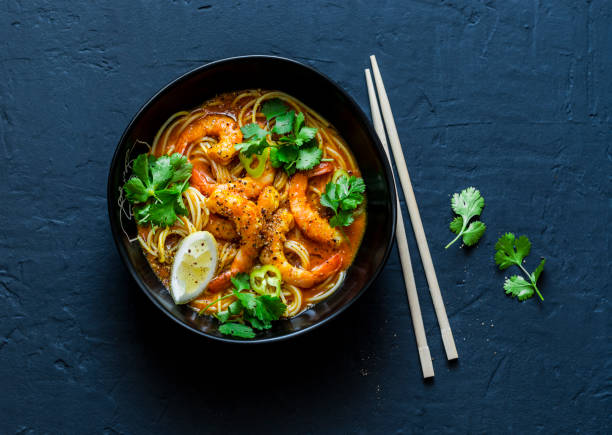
268, 200
221, 228
224, 128
248, 187
307, 218
248, 222
275, 235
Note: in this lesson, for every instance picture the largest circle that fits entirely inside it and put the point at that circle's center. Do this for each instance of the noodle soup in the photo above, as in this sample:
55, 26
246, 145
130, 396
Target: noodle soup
277, 191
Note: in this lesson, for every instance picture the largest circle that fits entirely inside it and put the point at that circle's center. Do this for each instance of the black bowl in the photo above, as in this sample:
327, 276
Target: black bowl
318, 92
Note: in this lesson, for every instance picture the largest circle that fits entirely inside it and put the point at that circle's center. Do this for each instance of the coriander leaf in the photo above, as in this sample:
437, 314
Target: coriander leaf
298, 123
305, 134
182, 168
518, 287
223, 316
343, 196
269, 308
467, 204
343, 219
235, 307
241, 281
510, 250
136, 191
253, 131
140, 168
456, 224
141, 214
308, 158
237, 330
536, 273
254, 146
246, 299
256, 323
273, 108
161, 172
284, 123
330, 197
162, 214
473, 233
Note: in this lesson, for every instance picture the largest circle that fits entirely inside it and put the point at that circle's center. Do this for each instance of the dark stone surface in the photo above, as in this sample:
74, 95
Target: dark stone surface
512, 97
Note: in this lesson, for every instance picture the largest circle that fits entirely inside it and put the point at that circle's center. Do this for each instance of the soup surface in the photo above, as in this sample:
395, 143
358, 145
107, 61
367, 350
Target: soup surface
276, 186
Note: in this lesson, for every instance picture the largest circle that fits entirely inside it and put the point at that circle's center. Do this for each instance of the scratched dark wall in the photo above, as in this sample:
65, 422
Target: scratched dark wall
513, 97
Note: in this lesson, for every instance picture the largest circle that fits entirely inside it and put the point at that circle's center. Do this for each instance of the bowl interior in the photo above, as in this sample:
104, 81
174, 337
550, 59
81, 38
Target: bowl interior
316, 91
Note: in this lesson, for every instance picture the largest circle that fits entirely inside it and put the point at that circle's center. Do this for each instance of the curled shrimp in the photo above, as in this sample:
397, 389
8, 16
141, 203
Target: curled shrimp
224, 128
268, 200
273, 253
248, 187
307, 218
221, 228
246, 216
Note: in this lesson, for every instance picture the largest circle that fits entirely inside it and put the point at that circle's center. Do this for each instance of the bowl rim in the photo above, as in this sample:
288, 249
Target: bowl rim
362, 118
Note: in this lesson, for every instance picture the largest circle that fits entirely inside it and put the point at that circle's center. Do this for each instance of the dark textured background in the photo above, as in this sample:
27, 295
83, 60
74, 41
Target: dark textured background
513, 97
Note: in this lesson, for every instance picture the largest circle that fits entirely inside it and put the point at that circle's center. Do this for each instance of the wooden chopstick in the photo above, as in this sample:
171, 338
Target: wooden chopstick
415, 217
402, 246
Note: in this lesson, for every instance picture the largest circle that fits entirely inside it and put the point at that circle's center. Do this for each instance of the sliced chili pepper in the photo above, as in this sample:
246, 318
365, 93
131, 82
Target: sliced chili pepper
258, 170
266, 280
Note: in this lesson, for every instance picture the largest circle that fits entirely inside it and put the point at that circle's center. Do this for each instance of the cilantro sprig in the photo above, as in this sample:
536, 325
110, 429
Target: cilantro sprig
297, 147
258, 311
467, 204
343, 196
156, 188
509, 251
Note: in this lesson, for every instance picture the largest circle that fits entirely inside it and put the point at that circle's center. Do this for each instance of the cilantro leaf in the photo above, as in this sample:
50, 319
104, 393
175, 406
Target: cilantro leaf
182, 168
273, 108
158, 184
140, 168
284, 123
253, 130
269, 308
246, 299
308, 158
241, 281
456, 225
467, 204
285, 157
256, 140
536, 273
473, 233
235, 307
136, 191
306, 134
518, 287
512, 251
343, 219
223, 316
343, 196
298, 122
237, 330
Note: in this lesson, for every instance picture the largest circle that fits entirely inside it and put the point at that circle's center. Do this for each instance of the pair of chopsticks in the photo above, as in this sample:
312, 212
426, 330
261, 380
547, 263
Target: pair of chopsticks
417, 226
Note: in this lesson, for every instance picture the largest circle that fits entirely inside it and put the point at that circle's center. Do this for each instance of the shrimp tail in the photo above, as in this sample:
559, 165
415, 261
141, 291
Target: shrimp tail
321, 169
221, 282
328, 267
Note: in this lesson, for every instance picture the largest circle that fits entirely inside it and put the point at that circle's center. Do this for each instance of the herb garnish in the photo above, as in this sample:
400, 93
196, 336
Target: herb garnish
343, 196
259, 311
297, 147
467, 204
157, 185
511, 251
